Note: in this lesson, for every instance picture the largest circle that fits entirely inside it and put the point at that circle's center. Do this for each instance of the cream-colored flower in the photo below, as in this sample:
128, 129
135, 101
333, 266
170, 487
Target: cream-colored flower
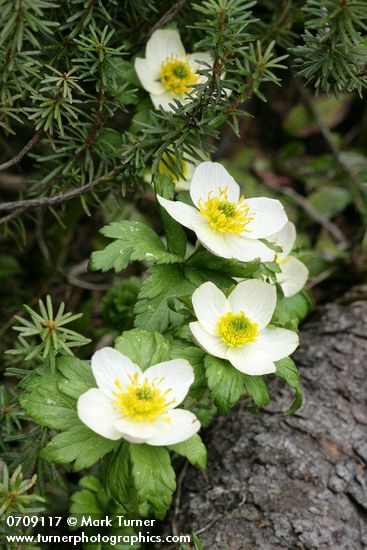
294, 274
167, 72
182, 182
236, 328
225, 223
138, 406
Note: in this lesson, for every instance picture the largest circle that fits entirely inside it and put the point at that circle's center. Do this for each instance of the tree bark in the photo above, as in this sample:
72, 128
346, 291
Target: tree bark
276, 482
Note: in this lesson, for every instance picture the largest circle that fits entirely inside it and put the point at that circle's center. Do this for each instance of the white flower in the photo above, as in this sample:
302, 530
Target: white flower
235, 328
138, 406
167, 71
293, 275
225, 223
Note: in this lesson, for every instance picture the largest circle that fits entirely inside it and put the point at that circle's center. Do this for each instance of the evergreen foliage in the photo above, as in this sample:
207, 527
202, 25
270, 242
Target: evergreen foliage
67, 79
79, 127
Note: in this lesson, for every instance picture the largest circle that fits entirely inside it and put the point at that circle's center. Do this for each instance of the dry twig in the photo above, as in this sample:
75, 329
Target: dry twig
57, 199
18, 157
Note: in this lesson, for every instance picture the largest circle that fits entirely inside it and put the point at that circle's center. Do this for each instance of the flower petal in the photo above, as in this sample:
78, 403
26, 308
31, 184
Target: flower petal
210, 177
96, 411
149, 76
209, 305
256, 299
276, 343
285, 238
199, 61
135, 431
163, 100
230, 245
109, 365
268, 217
293, 275
162, 44
250, 360
173, 378
183, 213
178, 425
212, 344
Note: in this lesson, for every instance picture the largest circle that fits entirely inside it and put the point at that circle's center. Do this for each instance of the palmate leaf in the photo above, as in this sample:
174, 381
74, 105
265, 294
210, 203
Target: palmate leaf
50, 400
118, 478
154, 477
289, 312
143, 347
226, 384
256, 389
193, 449
167, 282
175, 233
205, 261
44, 403
77, 444
77, 376
133, 241
195, 356
152, 309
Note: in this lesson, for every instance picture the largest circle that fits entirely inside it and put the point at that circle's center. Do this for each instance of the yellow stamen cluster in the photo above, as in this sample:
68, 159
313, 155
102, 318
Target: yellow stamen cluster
280, 259
235, 329
165, 169
177, 75
141, 401
225, 216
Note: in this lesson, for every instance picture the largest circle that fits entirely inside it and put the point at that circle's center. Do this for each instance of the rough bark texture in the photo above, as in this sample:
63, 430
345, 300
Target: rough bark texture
276, 482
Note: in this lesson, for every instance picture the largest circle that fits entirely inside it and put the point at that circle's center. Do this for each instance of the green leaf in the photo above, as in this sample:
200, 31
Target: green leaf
45, 404
152, 309
226, 384
77, 376
289, 312
287, 370
256, 389
198, 543
175, 234
299, 122
154, 476
203, 267
133, 241
330, 200
197, 277
193, 449
205, 261
143, 347
119, 481
78, 443
195, 356
91, 500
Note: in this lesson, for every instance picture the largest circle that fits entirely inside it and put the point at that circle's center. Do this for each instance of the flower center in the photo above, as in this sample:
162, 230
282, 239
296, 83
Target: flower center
164, 167
141, 401
280, 259
235, 329
177, 76
225, 216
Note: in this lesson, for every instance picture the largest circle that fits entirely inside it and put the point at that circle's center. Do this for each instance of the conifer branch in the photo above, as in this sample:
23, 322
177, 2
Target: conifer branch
57, 199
